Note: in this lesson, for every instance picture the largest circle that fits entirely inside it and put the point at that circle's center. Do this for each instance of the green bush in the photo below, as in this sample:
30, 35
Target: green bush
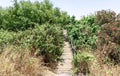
2, 12
83, 34
81, 62
25, 14
45, 40
6, 37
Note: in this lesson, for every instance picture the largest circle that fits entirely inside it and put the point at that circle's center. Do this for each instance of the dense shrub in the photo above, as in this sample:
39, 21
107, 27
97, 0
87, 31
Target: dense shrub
81, 62
105, 16
45, 40
2, 12
113, 31
84, 34
114, 54
25, 14
109, 41
6, 38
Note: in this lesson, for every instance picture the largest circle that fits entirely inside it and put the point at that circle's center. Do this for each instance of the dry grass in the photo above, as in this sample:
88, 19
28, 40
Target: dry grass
98, 68
104, 70
19, 62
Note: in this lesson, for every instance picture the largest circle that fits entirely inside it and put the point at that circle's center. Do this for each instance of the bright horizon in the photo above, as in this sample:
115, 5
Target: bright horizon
78, 8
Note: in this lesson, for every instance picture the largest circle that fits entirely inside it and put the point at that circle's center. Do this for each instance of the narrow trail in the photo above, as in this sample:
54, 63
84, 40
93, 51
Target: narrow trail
65, 65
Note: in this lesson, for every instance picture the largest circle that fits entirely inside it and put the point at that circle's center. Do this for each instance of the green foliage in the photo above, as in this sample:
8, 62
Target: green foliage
45, 40
81, 61
83, 56
72, 20
0, 18
84, 34
2, 12
89, 20
25, 14
6, 37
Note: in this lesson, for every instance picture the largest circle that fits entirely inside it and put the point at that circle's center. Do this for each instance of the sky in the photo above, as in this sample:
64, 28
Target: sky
78, 8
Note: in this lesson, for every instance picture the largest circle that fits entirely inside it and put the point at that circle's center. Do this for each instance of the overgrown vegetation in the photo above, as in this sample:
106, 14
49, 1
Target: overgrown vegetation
82, 60
83, 34
99, 34
43, 40
25, 14
36, 27
31, 38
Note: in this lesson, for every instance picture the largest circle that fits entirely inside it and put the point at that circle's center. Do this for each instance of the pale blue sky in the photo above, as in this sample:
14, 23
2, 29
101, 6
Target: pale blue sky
78, 7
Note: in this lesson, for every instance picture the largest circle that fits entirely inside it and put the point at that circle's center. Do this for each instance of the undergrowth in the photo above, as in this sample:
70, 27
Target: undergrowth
45, 40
